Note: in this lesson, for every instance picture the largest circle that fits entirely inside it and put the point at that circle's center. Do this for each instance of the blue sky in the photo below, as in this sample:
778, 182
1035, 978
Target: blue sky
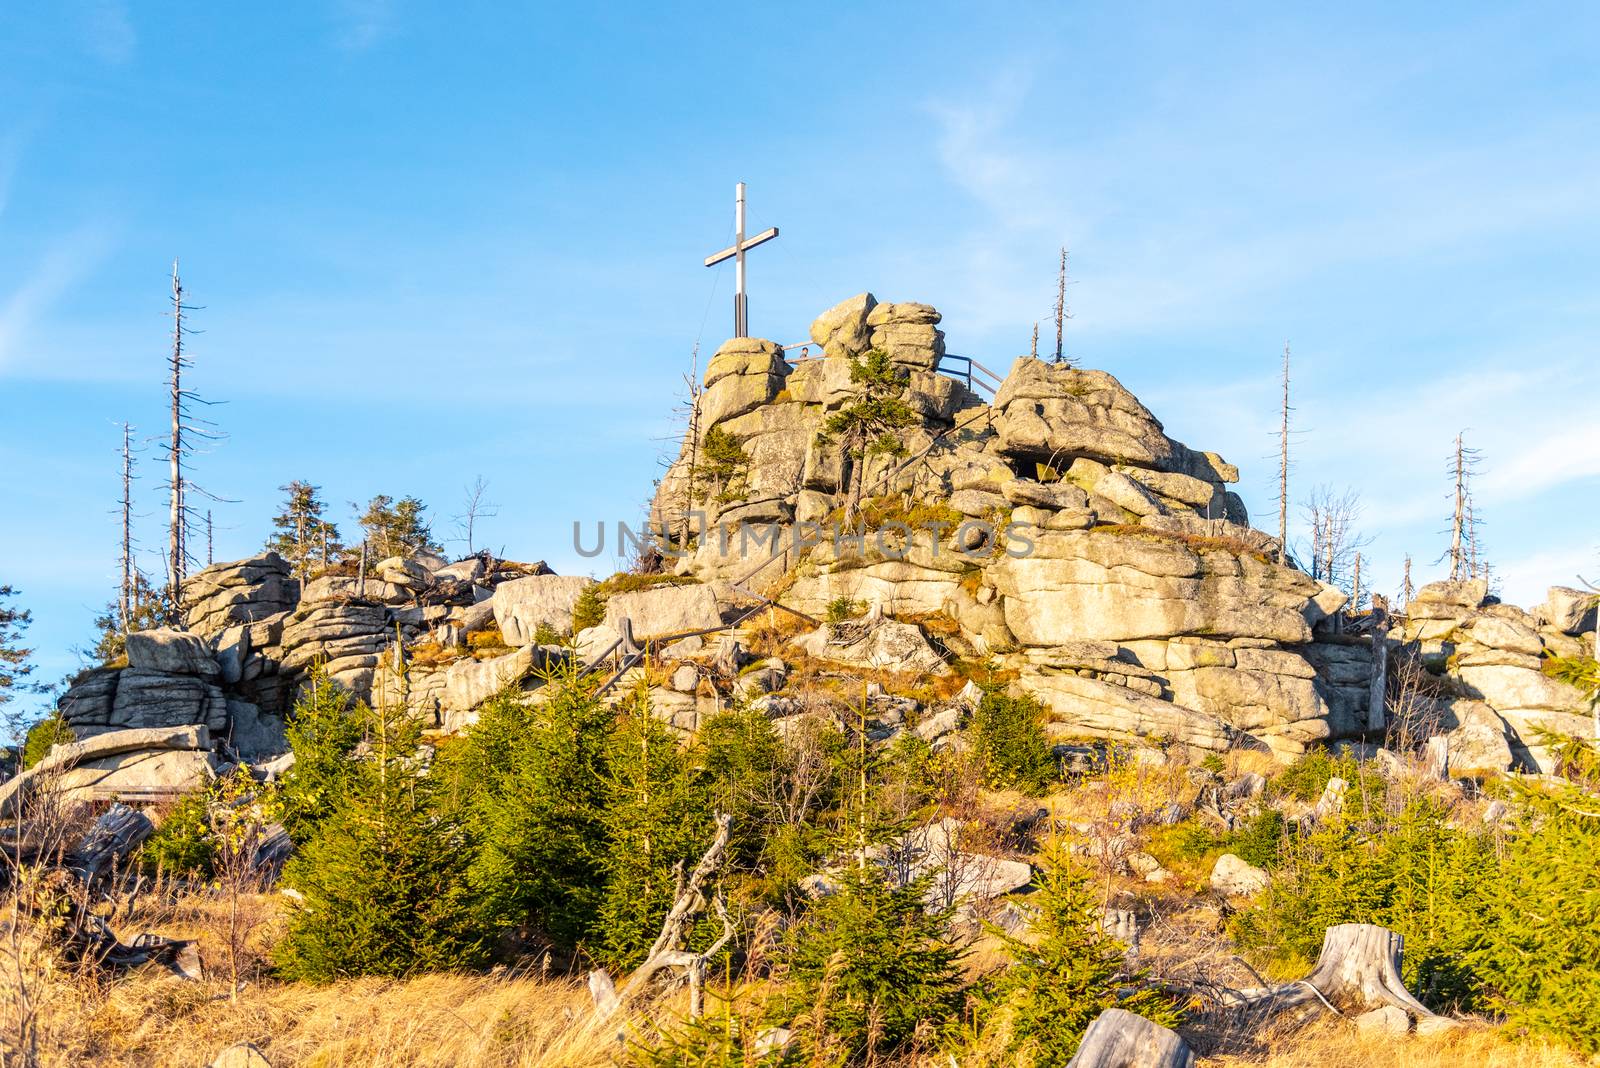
440, 241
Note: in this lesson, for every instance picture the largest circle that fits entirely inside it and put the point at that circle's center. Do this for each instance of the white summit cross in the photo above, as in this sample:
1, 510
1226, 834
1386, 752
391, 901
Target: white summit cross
741, 307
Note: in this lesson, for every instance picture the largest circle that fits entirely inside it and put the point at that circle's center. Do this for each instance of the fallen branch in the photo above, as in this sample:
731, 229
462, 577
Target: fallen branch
666, 953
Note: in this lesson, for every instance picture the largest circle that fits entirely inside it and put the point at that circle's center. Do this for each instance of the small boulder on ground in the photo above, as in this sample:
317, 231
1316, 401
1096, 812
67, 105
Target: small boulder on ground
1237, 877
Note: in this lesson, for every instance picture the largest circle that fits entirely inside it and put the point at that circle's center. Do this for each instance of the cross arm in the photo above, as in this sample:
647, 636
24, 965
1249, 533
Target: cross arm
733, 250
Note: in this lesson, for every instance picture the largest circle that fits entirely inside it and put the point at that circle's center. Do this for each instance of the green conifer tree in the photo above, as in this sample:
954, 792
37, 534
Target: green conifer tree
323, 730
656, 815
51, 731
145, 610
1063, 974
15, 662
869, 969
869, 425
304, 535
1009, 739
396, 528
529, 780
382, 882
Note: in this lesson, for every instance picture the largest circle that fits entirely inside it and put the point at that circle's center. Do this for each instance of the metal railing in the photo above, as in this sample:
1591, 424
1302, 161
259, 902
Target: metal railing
975, 375
964, 369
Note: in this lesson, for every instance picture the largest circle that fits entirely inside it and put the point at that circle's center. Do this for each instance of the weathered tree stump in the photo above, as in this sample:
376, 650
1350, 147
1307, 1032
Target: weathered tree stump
1120, 1039
1358, 969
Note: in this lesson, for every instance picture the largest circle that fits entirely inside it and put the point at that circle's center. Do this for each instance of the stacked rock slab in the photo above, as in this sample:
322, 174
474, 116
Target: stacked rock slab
238, 593
254, 633
171, 680
1135, 601
1491, 657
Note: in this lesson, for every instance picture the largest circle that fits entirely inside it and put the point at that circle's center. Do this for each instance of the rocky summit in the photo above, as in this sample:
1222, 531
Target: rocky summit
1044, 525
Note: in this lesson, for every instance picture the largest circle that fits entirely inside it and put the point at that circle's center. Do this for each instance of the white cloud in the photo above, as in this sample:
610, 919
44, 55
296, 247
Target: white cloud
362, 23
108, 31
1525, 580
61, 267
1548, 458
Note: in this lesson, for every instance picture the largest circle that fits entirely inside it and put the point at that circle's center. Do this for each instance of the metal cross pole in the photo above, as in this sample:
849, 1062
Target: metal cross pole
741, 307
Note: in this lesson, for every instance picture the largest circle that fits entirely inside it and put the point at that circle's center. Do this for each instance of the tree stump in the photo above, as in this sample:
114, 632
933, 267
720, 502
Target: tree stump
1360, 965
1358, 970
1120, 1039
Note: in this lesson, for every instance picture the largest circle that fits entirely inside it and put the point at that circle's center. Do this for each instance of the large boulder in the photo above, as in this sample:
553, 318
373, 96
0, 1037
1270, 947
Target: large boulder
1477, 745
139, 774
157, 699
103, 752
172, 651
1091, 586
1236, 877
1464, 595
663, 610
522, 605
1568, 610
88, 701
1080, 706
842, 330
908, 334
745, 356
469, 683
889, 645
1052, 413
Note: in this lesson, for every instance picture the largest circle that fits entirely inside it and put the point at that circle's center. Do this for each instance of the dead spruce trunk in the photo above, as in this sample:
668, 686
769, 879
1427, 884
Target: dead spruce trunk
1120, 1039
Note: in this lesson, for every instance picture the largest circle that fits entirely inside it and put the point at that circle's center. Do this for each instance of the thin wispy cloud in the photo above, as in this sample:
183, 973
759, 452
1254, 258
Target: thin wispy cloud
361, 24
61, 267
108, 31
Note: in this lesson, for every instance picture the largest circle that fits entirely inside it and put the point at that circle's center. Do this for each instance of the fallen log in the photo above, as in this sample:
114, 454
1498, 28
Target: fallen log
1121, 1039
55, 899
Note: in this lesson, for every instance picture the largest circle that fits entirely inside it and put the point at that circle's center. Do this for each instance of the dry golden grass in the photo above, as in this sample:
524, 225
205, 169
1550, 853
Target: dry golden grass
1336, 1045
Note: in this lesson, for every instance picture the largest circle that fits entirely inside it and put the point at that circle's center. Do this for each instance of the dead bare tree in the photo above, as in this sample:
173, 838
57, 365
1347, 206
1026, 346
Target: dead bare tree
1331, 517
1033, 347
128, 591
691, 409
666, 953
1283, 465
475, 507
186, 431
1062, 315
1406, 588
1463, 551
